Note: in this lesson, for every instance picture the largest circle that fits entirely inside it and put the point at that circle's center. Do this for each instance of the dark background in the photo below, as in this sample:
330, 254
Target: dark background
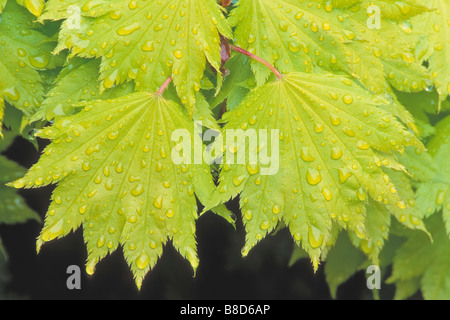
223, 274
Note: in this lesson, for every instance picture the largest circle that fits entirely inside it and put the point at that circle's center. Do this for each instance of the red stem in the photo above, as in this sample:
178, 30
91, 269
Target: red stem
164, 86
261, 60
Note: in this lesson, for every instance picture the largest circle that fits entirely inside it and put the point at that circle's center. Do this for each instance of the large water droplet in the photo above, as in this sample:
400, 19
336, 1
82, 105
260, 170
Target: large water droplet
237, 181
326, 192
361, 193
315, 237
101, 241
39, 61
248, 215
138, 190
265, 225
143, 261
336, 153
294, 46
276, 209
178, 54
441, 197
344, 174
158, 202
306, 155
170, 213
348, 99
12, 94
313, 177
335, 119
127, 30
149, 46
252, 168
283, 26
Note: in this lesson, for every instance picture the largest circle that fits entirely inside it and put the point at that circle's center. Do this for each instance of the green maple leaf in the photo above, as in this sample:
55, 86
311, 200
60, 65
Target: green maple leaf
147, 40
116, 177
306, 36
422, 107
78, 81
13, 208
436, 43
333, 140
24, 51
420, 262
344, 260
432, 174
236, 84
336, 271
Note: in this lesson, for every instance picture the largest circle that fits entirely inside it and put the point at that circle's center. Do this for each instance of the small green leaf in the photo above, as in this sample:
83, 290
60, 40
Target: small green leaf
431, 173
420, 259
13, 208
24, 51
342, 262
436, 43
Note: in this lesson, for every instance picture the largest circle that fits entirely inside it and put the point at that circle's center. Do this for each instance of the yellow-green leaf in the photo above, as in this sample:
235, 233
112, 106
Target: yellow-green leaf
329, 130
307, 35
436, 43
147, 40
116, 177
427, 261
78, 81
24, 51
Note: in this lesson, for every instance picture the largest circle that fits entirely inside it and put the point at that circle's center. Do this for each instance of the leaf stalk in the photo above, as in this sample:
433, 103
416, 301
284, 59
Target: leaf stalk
256, 58
164, 86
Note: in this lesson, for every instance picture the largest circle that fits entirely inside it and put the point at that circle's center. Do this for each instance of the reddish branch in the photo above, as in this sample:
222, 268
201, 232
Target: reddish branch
225, 54
226, 3
254, 57
164, 86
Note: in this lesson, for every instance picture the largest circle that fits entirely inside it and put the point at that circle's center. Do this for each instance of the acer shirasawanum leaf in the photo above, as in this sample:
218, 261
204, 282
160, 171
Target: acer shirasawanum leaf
146, 40
431, 173
308, 35
425, 264
78, 81
24, 51
337, 272
13, 208
236, 84
435, 43
116, 177
333, 140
